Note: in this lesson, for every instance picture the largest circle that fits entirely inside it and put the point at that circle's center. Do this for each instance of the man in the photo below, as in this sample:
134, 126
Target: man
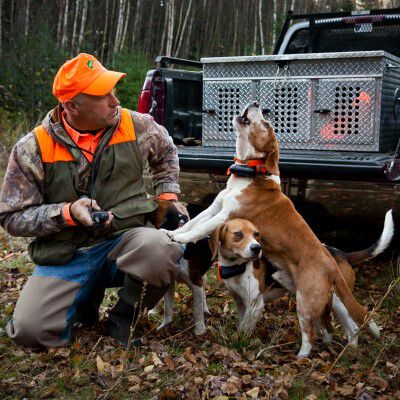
88, 154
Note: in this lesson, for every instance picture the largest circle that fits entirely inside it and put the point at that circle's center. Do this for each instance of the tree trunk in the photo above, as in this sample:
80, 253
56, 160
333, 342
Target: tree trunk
60, 18
1, 26
188, 41
274, 24
103, 45
74, 30
165, 27
183, 28
255, 31
64, 39
261, 27
83, 24
127, 14
28, 3
235, 31
170, 34
136, 22
178, 28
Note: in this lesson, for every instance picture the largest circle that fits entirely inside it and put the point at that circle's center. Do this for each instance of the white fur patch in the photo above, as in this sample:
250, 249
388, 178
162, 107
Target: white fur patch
343, 316
245, 289
387, 234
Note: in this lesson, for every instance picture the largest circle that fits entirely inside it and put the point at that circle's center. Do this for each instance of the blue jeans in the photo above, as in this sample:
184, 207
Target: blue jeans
47, 306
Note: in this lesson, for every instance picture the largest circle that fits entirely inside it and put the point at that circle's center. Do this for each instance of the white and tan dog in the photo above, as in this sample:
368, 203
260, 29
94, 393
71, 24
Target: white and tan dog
235, 244
287, 240
250, 278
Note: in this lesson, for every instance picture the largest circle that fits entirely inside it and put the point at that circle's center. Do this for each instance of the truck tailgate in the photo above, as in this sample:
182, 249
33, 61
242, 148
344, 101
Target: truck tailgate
296, 163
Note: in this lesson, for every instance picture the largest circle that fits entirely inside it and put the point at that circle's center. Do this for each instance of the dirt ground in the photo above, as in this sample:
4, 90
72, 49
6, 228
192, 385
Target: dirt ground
222, 365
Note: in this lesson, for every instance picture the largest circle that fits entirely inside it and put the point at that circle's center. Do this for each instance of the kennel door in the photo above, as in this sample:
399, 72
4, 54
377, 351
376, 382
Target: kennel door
222, 101
344, 117
288, 104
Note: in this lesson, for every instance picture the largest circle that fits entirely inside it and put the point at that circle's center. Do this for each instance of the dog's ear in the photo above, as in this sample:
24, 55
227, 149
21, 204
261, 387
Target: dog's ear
272, 162
214, 241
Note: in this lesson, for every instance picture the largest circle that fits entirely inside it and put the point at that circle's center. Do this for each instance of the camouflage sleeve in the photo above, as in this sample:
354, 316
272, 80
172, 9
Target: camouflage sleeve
157, 147
22, 212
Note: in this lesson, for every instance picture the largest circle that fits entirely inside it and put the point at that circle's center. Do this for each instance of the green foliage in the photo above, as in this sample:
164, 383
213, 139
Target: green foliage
26, 79
135, 66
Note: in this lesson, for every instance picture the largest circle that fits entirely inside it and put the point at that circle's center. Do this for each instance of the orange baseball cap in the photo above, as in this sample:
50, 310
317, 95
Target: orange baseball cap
84, 74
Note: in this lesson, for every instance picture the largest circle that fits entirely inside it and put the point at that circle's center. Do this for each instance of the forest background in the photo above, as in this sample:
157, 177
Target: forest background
37, 36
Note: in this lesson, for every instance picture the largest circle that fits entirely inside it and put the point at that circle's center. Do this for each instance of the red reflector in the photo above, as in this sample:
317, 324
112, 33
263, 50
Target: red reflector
144, 102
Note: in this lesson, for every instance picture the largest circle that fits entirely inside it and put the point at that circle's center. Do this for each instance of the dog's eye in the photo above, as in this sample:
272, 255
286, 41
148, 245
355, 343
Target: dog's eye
246, 121
256, 234
238, 234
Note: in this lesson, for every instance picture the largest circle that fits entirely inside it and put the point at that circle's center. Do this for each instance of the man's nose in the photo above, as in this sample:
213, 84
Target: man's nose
114, 102
255, 248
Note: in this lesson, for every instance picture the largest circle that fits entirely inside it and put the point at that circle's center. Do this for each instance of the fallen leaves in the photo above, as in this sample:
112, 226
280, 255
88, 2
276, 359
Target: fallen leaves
221, 365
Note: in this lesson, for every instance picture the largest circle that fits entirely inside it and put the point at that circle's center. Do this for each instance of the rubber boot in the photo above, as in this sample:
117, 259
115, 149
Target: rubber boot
87, 313
134, 297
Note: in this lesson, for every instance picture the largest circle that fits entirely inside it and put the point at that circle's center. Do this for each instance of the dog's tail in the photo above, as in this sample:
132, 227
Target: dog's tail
357, 312
377, 248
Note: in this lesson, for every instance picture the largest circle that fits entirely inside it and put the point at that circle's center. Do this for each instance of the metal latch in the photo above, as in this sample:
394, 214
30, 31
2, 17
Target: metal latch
209, 111
322, 111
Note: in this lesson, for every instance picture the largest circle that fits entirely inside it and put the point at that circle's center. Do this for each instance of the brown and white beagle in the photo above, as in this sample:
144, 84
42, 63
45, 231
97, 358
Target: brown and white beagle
286, 239
249, 276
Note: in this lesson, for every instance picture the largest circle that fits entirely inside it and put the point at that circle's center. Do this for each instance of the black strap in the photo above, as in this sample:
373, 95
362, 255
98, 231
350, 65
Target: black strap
230, 271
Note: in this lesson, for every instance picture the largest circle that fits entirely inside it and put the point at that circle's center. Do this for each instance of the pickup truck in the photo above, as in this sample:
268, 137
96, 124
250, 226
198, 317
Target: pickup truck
331, 89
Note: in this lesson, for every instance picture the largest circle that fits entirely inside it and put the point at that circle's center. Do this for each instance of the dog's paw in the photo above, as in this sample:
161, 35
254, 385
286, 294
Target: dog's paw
200, 329
167, 232
181, 238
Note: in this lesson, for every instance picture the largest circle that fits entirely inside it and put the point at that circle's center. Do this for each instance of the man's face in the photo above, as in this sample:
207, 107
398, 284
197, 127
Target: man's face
95, 112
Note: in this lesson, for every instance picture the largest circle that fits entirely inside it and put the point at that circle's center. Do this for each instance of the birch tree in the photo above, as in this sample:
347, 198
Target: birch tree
64, 38
28, 3
105, 32
1, 26
74, 30
261, 27
136, 22
178, 48
127, 13
170, 31
83, 24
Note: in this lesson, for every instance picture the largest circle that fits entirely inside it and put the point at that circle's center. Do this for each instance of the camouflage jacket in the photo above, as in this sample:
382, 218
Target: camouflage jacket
22, 208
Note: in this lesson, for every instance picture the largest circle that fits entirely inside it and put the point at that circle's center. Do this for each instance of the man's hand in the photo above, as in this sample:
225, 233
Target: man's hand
180, 208
80, 210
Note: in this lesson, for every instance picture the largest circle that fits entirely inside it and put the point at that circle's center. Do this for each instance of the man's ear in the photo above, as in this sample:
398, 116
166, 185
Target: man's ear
71, 107
214, 241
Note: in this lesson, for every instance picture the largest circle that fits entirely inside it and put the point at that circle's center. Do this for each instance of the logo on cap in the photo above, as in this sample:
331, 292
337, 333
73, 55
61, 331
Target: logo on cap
90, 64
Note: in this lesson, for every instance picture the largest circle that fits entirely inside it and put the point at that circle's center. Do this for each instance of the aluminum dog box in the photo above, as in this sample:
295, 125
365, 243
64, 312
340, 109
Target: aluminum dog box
326, 101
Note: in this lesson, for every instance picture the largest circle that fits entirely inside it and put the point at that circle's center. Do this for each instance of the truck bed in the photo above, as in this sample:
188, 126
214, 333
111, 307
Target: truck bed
296, 163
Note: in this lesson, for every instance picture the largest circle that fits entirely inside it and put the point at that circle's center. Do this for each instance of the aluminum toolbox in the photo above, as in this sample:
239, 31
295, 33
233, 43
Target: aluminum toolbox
325, 101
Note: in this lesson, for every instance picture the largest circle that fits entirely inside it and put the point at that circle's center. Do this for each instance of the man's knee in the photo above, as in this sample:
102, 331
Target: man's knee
40, 315
149, 255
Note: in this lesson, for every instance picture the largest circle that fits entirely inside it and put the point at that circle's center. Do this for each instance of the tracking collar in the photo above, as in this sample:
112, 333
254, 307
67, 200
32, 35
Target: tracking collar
226, 272
248, 168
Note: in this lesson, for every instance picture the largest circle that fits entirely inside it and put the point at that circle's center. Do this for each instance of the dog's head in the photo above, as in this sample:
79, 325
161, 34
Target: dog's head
256, 137
237, 239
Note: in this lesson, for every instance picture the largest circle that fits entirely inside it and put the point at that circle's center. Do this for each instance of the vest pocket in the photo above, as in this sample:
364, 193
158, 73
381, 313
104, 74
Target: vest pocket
131, 215
51, 252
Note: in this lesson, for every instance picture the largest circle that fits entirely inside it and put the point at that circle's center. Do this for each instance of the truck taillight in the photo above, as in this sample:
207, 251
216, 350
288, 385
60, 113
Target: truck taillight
144, 103
158, 99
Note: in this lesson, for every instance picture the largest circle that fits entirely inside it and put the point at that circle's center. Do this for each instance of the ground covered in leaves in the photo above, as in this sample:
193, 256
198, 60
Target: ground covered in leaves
175, 364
